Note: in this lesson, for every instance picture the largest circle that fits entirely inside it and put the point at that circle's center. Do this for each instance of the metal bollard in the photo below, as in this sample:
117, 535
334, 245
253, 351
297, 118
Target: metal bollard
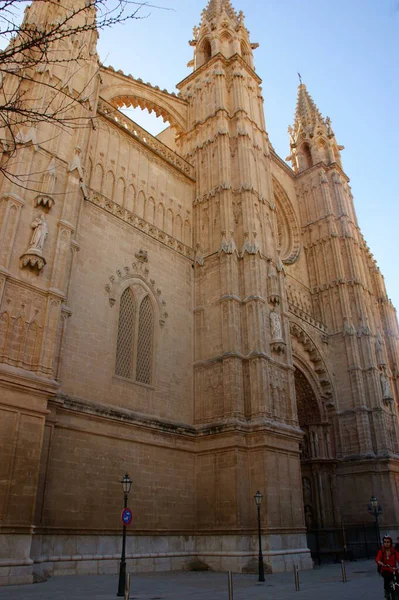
127, 586
230, 584
296, 578
343, 569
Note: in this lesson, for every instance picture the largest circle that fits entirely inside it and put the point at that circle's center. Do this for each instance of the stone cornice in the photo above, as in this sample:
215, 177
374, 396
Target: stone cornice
37, 290
278, 160
213, 61
233, 426
17, 378
321, 165
117, 211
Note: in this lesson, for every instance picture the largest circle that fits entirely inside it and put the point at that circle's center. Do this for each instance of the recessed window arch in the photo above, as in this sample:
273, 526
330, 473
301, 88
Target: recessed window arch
135, 336
307, 156
246, 53
204, 53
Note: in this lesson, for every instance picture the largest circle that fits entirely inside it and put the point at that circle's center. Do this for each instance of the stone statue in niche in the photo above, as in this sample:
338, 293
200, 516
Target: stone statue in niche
33, 257
385, 385
275, 326
348, 328
308, 517
40, 233
274, 295
379, 350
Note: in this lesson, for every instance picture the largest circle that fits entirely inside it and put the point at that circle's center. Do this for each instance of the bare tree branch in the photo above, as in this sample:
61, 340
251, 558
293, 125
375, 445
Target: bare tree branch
48, 44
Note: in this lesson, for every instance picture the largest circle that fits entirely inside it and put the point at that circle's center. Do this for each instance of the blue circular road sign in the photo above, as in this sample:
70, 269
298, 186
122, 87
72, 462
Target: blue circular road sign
127, 516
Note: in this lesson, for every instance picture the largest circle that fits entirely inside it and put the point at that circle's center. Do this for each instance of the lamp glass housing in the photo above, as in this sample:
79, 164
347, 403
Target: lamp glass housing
126, 484
258, 498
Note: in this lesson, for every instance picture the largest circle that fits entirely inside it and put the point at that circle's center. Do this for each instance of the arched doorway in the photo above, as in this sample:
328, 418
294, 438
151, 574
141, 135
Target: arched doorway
317, 457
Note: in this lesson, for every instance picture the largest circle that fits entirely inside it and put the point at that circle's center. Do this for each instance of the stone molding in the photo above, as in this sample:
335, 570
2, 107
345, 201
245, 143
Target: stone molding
141, 135
130, 218
316, 359
291, 232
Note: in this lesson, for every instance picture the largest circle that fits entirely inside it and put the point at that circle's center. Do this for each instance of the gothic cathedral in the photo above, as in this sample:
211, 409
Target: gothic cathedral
191, 310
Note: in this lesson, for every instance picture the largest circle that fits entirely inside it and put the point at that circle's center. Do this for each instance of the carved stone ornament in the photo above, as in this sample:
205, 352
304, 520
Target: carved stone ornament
199, 257
45, 201
33, 260
278, 347
138, 270
33, 257
227, 246
248, 247
142, 255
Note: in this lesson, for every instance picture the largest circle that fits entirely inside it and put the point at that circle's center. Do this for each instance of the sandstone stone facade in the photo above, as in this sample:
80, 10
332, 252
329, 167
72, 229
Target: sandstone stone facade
195, 312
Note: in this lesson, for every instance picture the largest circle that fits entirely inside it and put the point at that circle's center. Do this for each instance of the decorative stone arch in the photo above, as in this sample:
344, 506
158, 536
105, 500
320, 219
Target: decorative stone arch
313, 357
288, 228
322, 147
226, 42
137, 271
316, 408
121, 90
203, 52
318, 443
246, 52
139, 305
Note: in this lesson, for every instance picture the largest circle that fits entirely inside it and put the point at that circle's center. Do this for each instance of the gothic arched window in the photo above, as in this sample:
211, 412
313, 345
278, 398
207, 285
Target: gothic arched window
135, 339
124, 345
144, 342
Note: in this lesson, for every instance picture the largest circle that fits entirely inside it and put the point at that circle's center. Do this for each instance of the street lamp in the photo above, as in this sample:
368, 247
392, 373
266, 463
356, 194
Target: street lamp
375, 509
258, 500
126, 485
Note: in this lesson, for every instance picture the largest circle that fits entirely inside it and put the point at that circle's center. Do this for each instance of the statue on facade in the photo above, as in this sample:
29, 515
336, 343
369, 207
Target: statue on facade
348, 328
33, 257
275, 325
379, 350
40, 233
385, 385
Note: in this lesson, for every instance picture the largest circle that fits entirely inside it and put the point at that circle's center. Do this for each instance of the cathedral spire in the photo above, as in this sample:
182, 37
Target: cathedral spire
312, 139
216, 8
221, 31
307, 115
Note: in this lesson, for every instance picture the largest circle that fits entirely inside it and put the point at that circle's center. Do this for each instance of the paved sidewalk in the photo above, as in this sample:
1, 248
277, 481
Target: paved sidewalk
323, 583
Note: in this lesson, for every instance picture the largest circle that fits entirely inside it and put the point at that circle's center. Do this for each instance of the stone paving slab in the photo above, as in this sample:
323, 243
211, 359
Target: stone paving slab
323, 583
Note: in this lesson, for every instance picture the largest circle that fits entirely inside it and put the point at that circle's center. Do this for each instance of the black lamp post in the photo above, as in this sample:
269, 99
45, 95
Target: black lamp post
126, 485
375, 509
258, 499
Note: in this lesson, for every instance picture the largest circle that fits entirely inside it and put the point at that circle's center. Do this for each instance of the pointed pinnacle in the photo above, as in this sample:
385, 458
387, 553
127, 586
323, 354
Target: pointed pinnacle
216, 7
306, 110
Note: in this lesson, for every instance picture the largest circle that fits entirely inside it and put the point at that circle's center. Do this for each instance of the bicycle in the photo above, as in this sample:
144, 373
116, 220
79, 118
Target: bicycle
393, 584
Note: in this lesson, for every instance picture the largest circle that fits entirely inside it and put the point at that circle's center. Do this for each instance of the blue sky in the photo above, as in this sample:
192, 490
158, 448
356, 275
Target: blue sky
347, 54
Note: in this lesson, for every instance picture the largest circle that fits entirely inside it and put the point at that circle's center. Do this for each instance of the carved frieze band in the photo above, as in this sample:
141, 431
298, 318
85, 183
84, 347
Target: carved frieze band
28, 327
131, 219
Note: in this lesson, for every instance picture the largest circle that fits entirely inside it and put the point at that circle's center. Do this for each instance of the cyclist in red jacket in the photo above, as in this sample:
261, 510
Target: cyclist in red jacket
387, 560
